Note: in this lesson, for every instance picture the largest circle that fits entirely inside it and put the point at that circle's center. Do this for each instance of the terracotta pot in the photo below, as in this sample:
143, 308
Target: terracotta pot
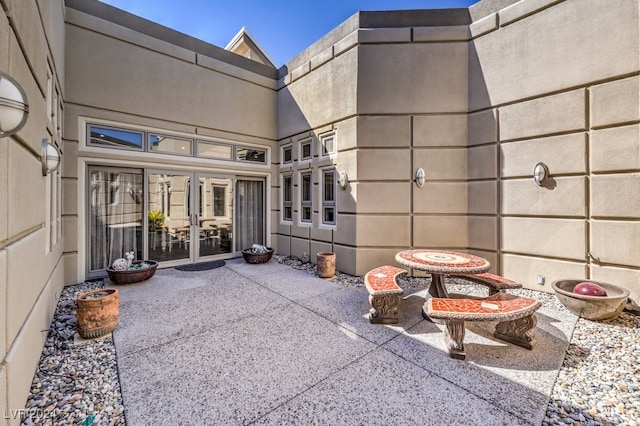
326, 264
98, 312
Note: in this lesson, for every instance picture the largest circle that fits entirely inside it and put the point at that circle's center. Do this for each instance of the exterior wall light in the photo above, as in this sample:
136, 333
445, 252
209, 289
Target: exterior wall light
14, 108
343, 180
540, 173
420, 177
50, 157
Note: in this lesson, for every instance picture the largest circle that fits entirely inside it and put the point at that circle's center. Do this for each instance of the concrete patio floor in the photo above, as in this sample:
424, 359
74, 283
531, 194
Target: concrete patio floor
269, 344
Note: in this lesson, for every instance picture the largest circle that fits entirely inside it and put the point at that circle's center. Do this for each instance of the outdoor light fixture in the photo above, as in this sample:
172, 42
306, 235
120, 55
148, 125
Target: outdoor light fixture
420, 177
343, 180
50, 157
540, 173
13, 106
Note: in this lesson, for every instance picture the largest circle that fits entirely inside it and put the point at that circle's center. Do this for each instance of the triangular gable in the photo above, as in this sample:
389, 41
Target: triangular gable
245, 45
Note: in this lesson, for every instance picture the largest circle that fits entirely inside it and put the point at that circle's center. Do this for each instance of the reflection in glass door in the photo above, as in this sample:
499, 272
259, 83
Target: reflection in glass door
115, 207
168, 217
215, 216
189, 216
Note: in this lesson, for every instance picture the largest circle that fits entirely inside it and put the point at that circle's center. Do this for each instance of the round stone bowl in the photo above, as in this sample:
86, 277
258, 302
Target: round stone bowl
591, 307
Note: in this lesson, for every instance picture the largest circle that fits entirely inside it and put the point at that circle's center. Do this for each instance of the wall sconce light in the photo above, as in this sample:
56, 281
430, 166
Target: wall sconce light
420, 177
540, 173
343, 180
13, 106
50, 157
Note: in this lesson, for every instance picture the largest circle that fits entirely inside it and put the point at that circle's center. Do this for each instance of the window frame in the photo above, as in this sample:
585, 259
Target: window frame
143, 137
204, 142
162, 135
287, 203
306, 202
301, 144
283, 149
334, 148
117, 129
238, 148
329, 203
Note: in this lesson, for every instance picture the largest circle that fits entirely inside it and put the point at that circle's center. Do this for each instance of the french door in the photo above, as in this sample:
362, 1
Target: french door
189, 216
172, 217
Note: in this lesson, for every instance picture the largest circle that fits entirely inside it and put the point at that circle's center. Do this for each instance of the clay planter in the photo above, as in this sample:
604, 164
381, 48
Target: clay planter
326, 264
130, 276
255, 258
97, 312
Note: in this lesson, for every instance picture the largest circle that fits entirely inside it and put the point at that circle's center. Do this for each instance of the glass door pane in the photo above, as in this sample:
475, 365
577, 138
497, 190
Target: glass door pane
115, 216
215, 215
250, 217
169, 206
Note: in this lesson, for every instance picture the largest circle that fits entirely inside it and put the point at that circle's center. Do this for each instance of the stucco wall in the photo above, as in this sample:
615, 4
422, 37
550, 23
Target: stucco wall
557, 82
31, 41
477, 106
397, 98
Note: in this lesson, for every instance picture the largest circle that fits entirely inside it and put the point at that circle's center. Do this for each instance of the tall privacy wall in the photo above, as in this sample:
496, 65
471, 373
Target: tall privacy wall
393, 88
31, 243
476, 99
557, 82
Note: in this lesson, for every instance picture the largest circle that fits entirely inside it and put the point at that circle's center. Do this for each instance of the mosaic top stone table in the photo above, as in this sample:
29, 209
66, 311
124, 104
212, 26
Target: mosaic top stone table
442, 262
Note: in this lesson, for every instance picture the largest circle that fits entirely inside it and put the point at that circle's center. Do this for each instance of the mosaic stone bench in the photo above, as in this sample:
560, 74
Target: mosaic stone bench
496, 283
516, 316
384, 294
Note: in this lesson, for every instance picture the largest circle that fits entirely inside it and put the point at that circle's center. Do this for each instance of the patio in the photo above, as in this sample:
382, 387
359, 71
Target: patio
271, 344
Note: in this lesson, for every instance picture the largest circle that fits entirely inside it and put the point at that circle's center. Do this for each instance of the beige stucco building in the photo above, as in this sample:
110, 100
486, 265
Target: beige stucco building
182, 151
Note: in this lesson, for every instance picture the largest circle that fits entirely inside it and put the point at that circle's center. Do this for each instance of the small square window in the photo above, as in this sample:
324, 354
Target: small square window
305, 150
328, 143
329, 215
287, 156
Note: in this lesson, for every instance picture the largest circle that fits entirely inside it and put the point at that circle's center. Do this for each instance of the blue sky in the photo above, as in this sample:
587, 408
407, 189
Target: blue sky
283, 28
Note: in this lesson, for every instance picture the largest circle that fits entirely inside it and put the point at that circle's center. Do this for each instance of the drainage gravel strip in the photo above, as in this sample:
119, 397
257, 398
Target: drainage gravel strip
77, 382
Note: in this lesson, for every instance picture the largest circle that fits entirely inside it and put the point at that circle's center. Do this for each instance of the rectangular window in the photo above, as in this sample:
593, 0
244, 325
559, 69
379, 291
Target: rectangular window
251, 155
305, 197
287, 198
170, 145
287, 156
219, 200
115, 138
305, 150
215, 150
328, 143
329, 197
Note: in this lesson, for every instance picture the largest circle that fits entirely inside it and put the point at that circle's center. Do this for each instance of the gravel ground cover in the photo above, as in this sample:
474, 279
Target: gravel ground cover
76, 381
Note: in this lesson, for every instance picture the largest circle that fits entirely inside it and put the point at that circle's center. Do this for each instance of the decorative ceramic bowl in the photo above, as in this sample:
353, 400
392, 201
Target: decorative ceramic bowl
251, 257
591, 307
130, 276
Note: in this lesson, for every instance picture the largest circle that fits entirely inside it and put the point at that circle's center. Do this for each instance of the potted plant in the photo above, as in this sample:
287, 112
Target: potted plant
128, 271
257, 254
156, 219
